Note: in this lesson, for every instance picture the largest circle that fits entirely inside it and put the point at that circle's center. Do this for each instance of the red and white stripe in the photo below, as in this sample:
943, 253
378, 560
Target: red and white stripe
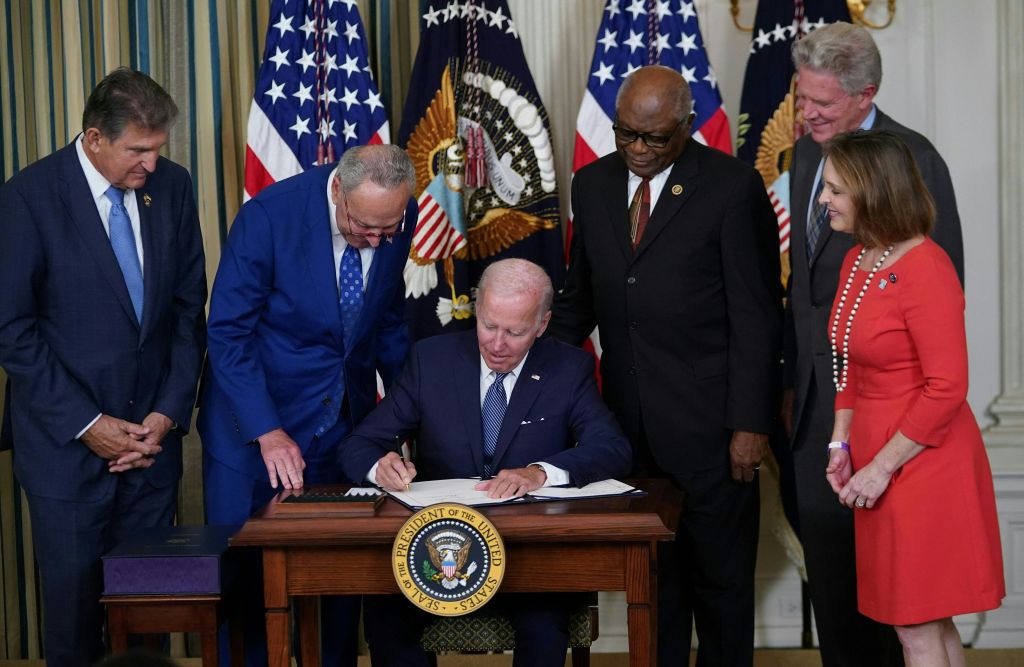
435, 238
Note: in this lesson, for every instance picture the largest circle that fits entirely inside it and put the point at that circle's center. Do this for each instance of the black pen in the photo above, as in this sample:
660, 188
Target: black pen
401, 453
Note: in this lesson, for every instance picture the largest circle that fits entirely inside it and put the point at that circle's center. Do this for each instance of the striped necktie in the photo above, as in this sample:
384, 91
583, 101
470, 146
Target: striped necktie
640, 211
491, 415
817, 220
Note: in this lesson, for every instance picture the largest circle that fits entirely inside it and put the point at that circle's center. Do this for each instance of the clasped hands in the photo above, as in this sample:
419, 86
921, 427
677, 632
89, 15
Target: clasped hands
393, 474
861, 489
126, 445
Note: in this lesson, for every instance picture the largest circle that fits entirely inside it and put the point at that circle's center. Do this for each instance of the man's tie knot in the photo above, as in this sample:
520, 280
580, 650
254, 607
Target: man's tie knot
115, 195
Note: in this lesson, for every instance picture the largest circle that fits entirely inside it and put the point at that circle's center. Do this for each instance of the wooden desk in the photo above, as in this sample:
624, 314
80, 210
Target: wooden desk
585, 545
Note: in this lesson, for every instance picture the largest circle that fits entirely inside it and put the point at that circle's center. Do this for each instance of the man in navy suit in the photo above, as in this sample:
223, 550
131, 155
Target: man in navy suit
307, 306
102, 336
554, 430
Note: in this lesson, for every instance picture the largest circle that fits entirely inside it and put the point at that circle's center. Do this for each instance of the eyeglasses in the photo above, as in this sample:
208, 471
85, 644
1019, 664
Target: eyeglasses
356, 228
626, 136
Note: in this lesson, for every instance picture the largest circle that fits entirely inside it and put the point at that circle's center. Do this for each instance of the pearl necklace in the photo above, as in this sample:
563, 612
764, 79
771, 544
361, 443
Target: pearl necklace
839, 380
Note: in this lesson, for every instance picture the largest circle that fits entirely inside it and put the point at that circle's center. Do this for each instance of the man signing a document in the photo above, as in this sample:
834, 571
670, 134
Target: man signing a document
499, 404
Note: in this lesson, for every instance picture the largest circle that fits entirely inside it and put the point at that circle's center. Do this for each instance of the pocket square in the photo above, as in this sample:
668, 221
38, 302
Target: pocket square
530, 421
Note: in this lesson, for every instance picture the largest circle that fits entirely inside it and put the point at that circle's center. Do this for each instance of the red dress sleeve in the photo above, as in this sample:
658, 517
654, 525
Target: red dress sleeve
932, 303
845, 398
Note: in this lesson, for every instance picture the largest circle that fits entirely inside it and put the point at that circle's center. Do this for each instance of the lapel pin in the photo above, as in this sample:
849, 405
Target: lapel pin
892, 277
677, 189
883, 283
534, 377
147, 200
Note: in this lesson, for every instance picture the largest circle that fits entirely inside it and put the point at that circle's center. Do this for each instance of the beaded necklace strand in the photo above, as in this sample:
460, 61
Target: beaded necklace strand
839, 378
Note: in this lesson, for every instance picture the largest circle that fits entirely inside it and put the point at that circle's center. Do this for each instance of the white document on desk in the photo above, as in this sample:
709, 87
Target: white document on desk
607, 487
422, 494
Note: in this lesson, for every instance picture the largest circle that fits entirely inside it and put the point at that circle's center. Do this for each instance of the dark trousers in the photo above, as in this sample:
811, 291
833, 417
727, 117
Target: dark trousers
231, 497
845, 636
706, 576
541, 622
69, 537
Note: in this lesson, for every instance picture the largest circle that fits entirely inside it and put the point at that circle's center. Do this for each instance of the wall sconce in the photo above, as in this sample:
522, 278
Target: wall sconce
858, 9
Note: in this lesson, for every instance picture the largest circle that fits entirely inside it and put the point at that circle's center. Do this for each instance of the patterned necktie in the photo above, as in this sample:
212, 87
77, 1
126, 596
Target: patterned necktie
350, 289
491, 415
122, 240
816, 221
639, 211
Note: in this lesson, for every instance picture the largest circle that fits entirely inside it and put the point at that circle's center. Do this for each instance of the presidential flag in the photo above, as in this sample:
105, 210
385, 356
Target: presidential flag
634, 33
478, 134
315, 95
768, 124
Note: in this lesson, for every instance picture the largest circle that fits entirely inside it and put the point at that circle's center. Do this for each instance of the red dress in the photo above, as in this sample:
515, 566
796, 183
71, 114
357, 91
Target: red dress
929, 548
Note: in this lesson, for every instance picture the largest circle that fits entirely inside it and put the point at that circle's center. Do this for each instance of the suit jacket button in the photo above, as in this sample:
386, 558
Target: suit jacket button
634, 325
632, 370
631, 280
326, 401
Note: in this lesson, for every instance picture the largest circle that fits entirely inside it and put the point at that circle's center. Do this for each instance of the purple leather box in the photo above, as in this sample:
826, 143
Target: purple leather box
168, 561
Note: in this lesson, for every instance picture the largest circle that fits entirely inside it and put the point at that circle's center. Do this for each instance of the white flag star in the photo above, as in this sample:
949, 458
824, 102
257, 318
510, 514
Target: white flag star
306, 60
280, 58
373, 101
630, 69
308, 27
349, 98
511, 29
779, 33
635, 41
303, 94
327, 129
687, 43
351, 65
276, 92
688, 74
351, 32
349, 130
687, 11
300, 127
663, 9
497, 18
284, 24
332, 30
612, 7
710, 78
608, 40
661, 43
636, 8
431, 17
763, 39
603, 73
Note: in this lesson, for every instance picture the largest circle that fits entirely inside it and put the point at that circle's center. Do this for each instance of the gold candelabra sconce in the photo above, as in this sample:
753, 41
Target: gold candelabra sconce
858, 10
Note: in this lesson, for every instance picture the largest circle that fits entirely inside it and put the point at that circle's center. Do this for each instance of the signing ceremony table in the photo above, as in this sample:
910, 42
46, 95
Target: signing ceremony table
605, 544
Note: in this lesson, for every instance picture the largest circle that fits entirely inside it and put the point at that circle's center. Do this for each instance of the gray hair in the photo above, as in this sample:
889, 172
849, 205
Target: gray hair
518, 276
683, 98
385, 165
126, 97
844, 50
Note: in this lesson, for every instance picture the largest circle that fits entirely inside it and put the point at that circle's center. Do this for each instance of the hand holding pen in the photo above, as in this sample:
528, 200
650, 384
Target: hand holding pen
394, 471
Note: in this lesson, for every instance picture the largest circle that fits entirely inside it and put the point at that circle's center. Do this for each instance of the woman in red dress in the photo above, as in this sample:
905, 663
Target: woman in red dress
906, 452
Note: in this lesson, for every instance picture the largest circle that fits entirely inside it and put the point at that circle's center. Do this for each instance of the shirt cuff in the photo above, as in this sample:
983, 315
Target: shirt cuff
88, 426
556, 476
371, 476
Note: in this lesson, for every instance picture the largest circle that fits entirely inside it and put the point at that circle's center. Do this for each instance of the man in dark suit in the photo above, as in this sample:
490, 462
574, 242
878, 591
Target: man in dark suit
839, 70
675, 258
494, 401
102, 335
306, 308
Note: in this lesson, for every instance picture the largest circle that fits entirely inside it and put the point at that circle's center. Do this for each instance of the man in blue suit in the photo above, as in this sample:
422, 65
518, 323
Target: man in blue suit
307, 306
499, 404
102, 336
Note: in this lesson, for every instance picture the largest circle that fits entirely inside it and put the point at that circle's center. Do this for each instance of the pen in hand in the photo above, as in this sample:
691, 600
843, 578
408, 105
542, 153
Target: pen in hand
401, 454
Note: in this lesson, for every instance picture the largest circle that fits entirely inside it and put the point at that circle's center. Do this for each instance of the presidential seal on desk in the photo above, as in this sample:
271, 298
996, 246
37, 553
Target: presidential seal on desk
448, 559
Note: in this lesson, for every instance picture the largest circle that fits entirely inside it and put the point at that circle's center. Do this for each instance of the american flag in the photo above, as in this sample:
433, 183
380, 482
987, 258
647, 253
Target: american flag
315, 95
635, 33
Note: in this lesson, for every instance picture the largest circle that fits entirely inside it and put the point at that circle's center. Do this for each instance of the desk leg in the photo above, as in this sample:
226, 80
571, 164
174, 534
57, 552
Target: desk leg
309, 630
275, 595
641, 598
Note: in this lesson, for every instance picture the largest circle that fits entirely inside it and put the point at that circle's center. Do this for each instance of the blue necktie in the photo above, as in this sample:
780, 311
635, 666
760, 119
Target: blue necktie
817, 219
350, 289
491, 415
122, 240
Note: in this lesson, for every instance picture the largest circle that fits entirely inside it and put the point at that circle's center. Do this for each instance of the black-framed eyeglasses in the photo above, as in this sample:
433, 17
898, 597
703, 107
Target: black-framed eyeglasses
626, 136
356, 228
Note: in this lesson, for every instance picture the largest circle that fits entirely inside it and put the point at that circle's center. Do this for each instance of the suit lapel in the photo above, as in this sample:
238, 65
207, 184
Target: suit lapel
679, 187
152, 266
319, 252
77, 200
467, 393
528, 387
617, 207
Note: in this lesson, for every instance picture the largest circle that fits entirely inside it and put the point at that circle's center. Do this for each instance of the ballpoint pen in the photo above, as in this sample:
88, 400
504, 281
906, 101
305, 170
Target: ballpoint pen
401, 453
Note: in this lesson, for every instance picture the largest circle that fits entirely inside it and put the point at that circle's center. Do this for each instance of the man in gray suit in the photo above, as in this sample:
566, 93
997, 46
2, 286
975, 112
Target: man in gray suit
839, 70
